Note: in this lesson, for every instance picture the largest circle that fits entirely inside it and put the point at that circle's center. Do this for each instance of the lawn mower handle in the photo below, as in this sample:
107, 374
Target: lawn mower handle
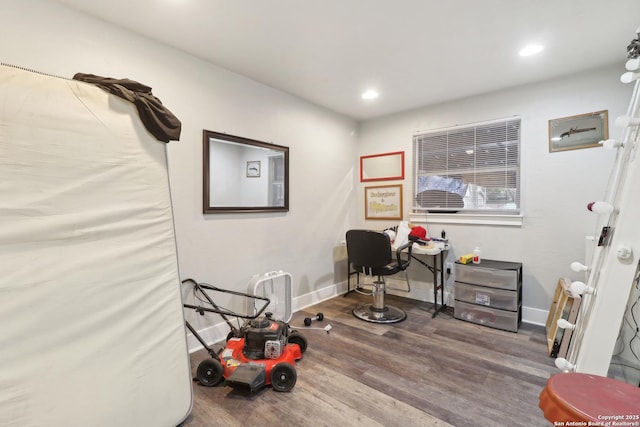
200, 287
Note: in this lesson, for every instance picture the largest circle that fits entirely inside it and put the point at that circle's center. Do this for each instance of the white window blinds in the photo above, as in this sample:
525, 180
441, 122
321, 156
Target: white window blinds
473, 168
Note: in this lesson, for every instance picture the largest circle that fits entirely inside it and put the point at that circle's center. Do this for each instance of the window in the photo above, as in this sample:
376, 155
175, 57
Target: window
469, 169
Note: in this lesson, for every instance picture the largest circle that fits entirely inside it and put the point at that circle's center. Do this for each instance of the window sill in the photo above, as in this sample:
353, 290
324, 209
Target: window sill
472, 219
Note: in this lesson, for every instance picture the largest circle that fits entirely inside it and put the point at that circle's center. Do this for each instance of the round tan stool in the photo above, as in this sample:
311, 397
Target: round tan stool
574, 397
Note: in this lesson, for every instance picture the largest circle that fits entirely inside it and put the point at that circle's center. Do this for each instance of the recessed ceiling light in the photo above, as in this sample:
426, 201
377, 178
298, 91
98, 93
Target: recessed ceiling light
370, 94
532, 49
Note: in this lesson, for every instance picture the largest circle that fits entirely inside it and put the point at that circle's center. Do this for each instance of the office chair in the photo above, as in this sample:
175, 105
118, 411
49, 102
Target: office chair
370, 253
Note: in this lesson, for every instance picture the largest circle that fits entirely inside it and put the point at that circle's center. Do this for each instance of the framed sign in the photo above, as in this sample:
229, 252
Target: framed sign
383, 202
576, 132
253, 169
382, 167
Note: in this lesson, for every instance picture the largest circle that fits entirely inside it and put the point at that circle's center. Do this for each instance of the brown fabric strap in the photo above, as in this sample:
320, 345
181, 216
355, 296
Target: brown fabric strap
157, 119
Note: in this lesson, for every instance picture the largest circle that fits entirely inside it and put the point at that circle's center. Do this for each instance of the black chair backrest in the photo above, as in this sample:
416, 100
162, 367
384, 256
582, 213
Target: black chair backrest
367, 248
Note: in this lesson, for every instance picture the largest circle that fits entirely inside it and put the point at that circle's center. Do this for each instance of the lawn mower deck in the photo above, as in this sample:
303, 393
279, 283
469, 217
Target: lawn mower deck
239, 371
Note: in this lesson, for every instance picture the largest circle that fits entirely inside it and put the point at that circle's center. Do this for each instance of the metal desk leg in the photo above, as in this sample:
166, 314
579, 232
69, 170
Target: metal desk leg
438, 270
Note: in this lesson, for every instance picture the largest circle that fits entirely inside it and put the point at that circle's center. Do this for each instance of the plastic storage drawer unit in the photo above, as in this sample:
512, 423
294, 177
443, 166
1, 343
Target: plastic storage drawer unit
487, 316
489, 294
482, 295
484, 275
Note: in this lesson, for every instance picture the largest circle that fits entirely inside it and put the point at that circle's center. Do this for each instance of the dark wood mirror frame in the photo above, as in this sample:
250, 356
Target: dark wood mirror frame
242, 175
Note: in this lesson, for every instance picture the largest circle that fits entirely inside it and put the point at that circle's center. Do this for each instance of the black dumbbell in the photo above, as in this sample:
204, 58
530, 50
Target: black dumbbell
308, 320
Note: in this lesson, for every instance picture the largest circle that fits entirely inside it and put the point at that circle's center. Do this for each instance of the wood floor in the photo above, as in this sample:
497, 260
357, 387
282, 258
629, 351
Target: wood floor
420, 372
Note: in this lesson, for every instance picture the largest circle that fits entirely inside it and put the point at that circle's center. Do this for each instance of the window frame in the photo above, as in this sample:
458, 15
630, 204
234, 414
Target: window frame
507, 216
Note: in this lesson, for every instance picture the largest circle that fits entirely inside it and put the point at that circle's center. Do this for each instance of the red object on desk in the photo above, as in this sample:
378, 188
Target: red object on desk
418, 232
576, 396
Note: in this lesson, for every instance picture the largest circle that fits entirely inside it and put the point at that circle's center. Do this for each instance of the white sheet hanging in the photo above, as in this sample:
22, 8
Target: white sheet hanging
92, 329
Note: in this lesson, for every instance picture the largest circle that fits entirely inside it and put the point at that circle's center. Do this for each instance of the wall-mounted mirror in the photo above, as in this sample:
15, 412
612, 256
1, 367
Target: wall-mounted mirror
244, 175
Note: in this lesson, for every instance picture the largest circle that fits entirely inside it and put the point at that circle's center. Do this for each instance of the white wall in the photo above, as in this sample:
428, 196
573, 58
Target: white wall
225, 166
556, 187
225, 250
229, 183
325, 196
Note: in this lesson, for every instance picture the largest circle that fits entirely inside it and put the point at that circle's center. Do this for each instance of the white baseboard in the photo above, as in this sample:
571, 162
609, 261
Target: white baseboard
535, 316
217, 333
317, 296
210, 334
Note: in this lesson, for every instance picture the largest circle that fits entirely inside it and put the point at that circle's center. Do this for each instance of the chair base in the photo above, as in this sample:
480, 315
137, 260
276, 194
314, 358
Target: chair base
389, 314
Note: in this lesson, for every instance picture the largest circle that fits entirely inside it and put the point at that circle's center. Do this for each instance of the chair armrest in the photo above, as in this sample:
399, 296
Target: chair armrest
404, 263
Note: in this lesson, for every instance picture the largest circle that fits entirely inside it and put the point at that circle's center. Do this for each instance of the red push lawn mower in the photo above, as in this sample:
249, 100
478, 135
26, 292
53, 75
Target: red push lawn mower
261, 352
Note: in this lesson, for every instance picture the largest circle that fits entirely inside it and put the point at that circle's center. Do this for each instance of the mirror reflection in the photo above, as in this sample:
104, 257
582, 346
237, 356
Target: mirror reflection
244, 175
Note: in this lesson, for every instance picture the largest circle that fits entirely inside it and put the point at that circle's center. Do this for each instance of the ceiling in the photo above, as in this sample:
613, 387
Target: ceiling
413, 52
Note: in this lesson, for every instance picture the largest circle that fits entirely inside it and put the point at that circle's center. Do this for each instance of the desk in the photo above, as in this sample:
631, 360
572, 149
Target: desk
437, 269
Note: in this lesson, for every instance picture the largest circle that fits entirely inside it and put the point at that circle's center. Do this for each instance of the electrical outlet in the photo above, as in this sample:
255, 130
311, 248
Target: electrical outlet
449, 267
